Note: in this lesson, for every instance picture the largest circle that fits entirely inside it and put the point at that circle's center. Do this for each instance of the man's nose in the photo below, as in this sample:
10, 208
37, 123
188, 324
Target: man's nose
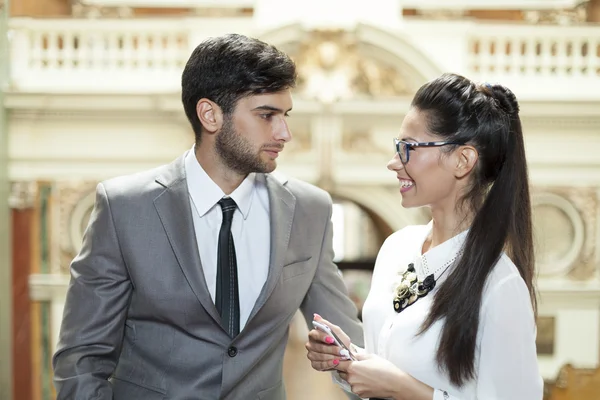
282, 131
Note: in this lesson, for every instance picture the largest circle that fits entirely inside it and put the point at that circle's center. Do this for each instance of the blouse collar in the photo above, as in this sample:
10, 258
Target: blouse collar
439, 260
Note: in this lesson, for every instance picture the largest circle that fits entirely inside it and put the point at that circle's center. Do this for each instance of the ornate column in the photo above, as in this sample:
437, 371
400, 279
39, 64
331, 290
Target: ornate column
21, 202
63, 213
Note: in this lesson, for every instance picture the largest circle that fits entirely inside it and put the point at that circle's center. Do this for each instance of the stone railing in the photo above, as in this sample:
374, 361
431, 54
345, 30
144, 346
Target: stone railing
97, 55
147, 56
544, 59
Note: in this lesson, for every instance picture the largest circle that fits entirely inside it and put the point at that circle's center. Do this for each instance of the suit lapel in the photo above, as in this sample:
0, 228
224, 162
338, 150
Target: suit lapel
282, 204
174, 210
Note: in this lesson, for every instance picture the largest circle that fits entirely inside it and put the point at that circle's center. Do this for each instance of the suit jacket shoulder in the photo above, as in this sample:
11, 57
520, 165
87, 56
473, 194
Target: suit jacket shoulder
305, 193
149, 183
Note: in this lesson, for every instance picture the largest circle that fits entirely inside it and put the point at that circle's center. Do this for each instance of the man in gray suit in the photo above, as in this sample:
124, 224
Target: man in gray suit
154, 309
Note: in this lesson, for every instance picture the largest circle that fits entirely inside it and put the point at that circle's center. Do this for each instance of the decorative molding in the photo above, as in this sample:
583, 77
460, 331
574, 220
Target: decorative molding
75, 203
534, 114
331, 67
562, 16
48, 287
558, 294
79, 219
585, 200
562, 263
354, 142
562, 122
441, 14
80, 10
22, 195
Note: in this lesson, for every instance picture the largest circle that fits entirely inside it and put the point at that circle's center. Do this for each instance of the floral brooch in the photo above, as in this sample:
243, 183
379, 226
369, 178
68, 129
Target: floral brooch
411, 288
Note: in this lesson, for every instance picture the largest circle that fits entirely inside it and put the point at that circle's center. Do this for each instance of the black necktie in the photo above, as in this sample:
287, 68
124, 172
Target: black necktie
227, 298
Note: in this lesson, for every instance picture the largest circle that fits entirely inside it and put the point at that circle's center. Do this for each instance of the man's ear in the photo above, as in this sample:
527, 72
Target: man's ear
210, 115
467, 157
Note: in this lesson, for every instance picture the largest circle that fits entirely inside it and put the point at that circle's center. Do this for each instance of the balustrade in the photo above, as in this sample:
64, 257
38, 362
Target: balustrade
148, 55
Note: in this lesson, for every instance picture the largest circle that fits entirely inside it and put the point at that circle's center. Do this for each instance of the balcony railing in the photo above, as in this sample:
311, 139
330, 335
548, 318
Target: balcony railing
147, 56
88, 55
540, 59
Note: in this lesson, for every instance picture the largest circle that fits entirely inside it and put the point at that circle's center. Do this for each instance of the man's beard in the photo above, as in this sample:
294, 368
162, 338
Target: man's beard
237, 152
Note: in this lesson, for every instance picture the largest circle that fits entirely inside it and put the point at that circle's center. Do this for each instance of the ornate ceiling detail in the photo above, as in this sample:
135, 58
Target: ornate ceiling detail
564, 16
331, 67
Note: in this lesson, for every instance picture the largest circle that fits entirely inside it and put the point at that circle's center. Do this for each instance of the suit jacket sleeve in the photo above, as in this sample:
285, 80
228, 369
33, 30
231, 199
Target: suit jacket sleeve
95, 310
328, 295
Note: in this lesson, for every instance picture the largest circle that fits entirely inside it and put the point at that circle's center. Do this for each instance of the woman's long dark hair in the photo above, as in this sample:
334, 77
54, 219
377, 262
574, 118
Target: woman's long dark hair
486, 117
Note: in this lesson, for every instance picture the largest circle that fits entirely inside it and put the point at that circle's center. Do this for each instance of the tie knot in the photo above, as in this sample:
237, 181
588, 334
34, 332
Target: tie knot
228, 206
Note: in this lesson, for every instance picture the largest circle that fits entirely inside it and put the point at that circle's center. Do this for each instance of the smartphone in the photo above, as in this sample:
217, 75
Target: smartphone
336, 340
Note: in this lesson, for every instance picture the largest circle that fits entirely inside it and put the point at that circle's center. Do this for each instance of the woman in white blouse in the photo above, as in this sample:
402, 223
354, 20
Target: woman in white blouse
451, 310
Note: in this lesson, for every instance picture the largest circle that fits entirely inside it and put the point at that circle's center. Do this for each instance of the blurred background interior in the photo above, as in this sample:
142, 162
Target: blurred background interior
90, 90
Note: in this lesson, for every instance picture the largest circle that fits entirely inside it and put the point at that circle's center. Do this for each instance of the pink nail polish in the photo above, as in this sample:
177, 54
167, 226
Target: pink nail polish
329, 339
336, 362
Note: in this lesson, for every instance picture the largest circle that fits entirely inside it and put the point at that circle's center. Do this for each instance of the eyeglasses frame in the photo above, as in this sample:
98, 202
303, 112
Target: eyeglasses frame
409, 145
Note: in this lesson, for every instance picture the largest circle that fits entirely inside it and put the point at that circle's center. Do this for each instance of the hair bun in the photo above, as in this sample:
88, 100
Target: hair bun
504, 97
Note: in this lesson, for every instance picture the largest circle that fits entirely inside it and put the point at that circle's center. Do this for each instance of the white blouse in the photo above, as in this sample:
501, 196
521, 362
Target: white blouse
505, 357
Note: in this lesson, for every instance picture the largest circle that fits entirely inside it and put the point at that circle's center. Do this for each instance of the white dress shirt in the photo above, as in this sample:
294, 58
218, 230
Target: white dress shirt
250, 229
506, 364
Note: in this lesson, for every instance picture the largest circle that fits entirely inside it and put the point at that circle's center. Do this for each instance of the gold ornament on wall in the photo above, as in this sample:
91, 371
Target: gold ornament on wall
332, 67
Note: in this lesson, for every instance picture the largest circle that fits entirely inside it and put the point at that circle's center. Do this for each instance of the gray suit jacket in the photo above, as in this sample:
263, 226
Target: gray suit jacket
139, 322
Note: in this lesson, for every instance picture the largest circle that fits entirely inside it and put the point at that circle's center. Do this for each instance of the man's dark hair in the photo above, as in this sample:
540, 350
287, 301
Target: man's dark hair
227, 68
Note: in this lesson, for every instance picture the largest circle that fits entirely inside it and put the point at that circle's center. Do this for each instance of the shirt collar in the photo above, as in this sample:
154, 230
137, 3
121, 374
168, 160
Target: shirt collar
435, 261
205, 193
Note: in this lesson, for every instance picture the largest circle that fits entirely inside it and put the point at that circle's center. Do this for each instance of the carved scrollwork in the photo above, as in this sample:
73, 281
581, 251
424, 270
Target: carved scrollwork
332, 67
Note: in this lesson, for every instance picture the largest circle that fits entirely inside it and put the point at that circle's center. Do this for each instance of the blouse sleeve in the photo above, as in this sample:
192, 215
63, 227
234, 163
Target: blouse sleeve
508, 365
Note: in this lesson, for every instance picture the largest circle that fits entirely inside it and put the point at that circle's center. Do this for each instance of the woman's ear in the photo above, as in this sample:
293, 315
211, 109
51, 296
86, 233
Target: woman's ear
467, 157
210, 115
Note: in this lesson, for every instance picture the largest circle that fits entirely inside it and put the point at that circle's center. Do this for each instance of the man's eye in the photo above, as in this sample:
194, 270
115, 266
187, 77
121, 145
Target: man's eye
266, 116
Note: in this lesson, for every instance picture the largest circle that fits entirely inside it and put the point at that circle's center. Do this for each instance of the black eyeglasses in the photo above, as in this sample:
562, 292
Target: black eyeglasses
403, 148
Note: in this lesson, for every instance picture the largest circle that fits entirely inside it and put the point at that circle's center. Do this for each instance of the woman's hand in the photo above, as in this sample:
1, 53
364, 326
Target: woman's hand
371, 376
322, 353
